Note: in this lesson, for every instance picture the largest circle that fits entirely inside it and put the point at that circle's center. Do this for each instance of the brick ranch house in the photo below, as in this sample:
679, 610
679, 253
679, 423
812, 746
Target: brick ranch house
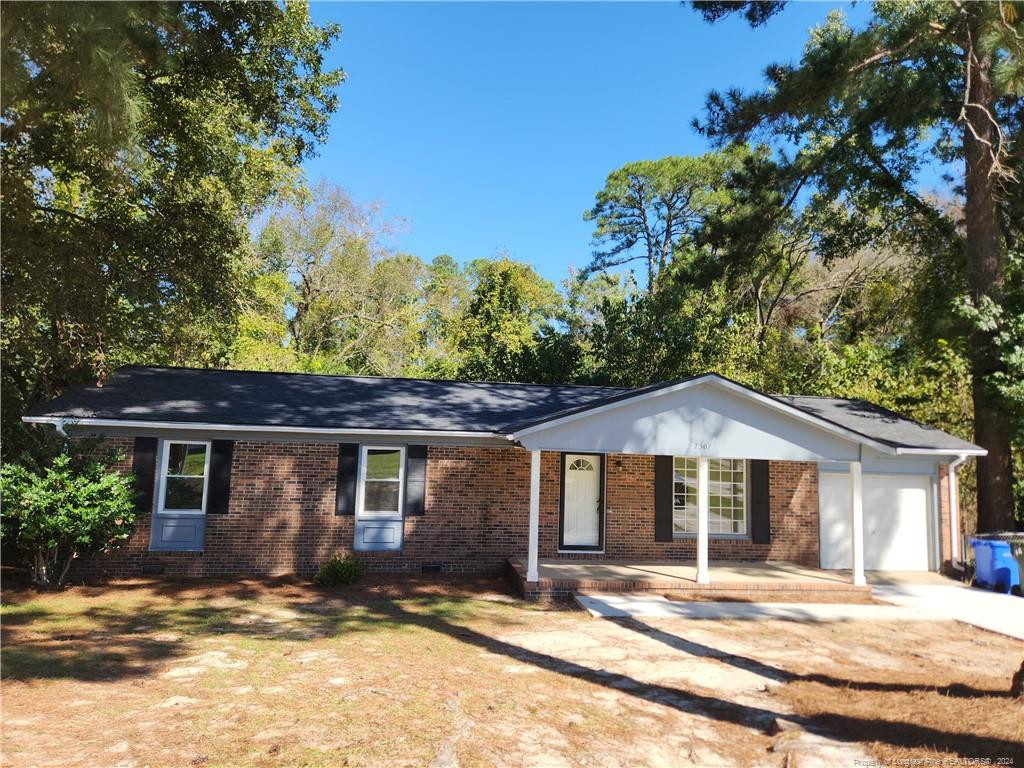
256, 474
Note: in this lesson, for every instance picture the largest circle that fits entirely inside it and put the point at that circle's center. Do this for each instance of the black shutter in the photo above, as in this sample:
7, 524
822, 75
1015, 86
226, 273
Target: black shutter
760, 515
348, 469
219, 492
415, 479
664, 472
144, 469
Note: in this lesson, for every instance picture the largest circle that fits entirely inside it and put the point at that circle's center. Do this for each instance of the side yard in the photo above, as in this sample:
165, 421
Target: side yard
447, 673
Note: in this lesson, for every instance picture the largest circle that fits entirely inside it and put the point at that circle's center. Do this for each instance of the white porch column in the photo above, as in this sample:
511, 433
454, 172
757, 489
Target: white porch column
857, 524
703, 513
531, 557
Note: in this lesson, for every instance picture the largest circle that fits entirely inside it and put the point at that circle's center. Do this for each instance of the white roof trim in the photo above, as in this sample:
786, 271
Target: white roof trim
905, 451
61, 421
714, 379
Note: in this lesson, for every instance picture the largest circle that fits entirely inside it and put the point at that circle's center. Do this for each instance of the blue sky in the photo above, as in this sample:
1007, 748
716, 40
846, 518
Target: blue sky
490, 126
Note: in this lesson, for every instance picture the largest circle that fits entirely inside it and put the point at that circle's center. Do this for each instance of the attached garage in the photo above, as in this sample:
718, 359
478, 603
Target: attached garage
899, 521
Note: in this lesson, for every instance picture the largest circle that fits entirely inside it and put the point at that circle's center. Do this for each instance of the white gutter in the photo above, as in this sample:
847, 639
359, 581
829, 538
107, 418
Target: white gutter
961, 452
61, 422
954, 512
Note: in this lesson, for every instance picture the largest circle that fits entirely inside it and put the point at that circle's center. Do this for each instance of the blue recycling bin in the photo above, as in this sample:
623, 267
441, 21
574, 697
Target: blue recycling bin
994, 565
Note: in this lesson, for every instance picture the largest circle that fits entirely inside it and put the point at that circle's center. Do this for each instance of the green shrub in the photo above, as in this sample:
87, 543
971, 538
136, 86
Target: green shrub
64, 508
340, 569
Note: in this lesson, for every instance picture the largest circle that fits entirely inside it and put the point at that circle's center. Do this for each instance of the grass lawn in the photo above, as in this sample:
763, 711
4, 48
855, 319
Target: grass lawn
446, 673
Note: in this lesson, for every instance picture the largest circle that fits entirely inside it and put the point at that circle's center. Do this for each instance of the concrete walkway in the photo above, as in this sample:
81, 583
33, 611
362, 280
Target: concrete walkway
989, 610
631, 605
910, 602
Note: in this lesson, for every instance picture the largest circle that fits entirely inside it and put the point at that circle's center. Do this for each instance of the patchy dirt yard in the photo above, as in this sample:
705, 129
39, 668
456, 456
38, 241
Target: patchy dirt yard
425, 674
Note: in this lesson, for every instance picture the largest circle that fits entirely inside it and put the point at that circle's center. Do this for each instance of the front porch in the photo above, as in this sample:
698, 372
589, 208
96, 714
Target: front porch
729, 580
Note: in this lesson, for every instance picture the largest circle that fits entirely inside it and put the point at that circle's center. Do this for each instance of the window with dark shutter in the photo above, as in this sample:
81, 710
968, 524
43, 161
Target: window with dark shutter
348, 473
760, 513
219, 492
663, 479
144, 469
415, 480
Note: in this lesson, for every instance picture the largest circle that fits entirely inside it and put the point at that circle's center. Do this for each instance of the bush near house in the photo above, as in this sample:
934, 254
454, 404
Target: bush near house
339, 570
63, 508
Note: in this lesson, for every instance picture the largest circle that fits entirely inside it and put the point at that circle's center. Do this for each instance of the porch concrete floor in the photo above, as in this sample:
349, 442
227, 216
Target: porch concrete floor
745, 573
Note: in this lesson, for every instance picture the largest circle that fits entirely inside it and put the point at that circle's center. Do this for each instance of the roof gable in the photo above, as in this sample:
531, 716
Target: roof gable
851, 421
707, 415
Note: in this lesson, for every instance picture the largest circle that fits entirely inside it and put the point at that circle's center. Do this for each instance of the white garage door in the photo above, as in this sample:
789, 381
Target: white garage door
896, 512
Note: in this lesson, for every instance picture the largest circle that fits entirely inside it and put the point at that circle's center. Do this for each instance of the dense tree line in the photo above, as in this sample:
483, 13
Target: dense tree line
139, 139
800, 255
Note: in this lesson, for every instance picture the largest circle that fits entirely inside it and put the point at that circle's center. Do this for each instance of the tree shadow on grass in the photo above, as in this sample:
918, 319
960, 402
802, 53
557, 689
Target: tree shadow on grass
955, 690
836, 726
80, 635
849, 728
119, 644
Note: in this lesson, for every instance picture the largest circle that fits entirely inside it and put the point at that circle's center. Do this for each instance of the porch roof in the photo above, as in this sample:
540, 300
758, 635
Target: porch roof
713, 416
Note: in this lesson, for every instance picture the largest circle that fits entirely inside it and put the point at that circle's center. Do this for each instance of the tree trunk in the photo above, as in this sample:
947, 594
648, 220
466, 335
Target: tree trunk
40, 569
985, 278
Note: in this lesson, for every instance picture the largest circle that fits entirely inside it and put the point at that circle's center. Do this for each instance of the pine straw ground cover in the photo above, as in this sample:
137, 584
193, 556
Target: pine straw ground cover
444, 673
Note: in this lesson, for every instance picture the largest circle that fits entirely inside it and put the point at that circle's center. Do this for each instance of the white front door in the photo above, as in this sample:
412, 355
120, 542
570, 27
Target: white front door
581, 516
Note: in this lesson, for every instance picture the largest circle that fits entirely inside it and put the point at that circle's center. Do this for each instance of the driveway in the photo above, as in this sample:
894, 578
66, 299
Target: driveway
618, 606
988, 610
910, 602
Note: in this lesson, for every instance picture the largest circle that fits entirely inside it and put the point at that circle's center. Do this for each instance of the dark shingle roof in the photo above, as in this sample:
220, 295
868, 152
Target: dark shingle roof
314, 401
878, 423
248, 398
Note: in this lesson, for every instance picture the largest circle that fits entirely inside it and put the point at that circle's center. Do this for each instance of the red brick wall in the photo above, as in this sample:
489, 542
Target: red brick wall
629, 515
281, 516
280, 519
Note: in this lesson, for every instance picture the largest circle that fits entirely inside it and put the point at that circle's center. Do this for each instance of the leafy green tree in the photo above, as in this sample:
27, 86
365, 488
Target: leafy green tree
496, 336
866, 109
139, 139
351, 304
261, 343
1005, 321
69, 508
648, 209
566, 350
445, 293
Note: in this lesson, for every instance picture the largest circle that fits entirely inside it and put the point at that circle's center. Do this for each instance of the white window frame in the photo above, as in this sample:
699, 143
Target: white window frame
361, 483
165, 457
745, 535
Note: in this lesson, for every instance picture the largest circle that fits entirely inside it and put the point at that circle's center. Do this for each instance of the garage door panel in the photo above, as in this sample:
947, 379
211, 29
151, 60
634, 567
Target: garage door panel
834, 522
896, 511
896, 523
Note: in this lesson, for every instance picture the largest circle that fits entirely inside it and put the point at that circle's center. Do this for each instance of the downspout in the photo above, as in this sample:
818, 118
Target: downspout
954, 513
59, 425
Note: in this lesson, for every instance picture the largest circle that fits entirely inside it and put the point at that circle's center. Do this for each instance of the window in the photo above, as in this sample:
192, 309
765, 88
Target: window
183, 480
381, 482
684, 509
727, 490
581, 465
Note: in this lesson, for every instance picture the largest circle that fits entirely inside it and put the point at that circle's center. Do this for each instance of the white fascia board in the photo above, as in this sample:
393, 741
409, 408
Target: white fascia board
206, 427
952, 453
771, 402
